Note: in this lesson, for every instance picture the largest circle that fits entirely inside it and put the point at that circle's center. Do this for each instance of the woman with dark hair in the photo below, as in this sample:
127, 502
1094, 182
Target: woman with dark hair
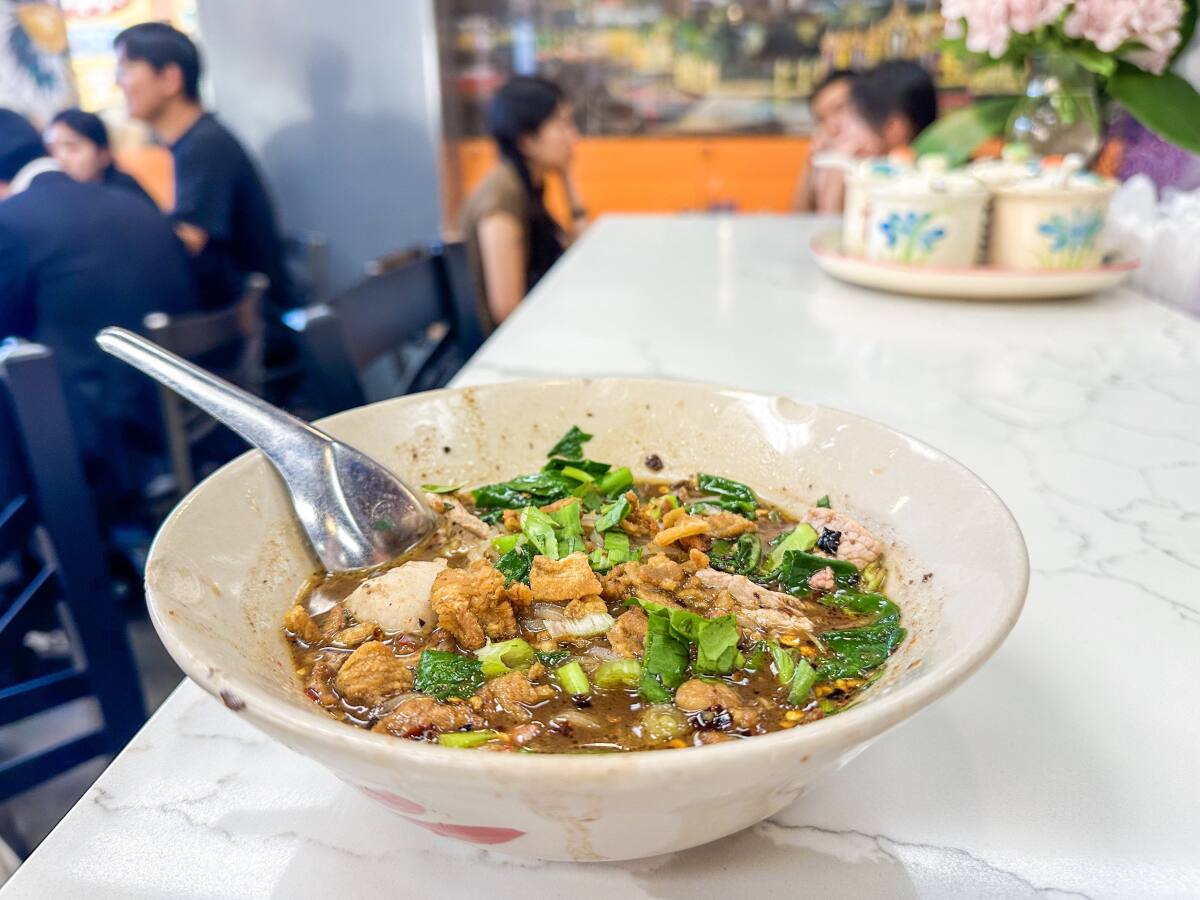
511, 238
78, 141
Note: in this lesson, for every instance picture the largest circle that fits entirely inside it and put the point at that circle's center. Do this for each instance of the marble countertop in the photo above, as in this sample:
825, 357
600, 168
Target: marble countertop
1063, 768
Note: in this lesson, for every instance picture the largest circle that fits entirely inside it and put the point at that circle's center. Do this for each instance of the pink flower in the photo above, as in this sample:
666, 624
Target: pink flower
1025, 16
1109, 24
986, 24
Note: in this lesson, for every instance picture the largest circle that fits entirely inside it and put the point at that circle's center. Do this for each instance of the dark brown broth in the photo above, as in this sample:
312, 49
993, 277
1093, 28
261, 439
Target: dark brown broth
616, 714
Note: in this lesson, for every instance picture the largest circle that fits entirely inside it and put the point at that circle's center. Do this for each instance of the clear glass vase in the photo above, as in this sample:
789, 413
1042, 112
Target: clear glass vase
1060, 110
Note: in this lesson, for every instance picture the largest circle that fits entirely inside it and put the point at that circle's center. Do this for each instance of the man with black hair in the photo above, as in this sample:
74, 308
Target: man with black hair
222, 211
76, 257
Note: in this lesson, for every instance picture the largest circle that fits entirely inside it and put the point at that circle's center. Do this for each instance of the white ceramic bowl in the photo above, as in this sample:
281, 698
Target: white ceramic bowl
230, 559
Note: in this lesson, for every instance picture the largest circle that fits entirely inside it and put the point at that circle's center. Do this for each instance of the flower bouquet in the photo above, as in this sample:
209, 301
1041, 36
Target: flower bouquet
1127, 46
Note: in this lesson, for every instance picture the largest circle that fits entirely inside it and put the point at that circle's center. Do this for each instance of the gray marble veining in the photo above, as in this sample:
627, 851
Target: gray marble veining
1064, 768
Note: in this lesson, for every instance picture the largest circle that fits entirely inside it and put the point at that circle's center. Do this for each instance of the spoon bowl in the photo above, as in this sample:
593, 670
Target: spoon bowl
354, 511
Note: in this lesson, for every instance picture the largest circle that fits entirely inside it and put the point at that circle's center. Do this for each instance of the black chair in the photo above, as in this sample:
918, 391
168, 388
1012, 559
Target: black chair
53, 574
227, 342
408, 327
306, 256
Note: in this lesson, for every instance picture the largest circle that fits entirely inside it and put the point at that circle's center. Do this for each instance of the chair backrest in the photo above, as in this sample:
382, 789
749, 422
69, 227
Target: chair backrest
229, 343
407, 327
52, 565
306, 255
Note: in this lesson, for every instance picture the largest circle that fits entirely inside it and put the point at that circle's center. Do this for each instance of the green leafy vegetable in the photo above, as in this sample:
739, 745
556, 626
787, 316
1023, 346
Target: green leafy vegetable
797, 567
802, 683
504, 657
612, 515
664, 661
442, 674
515, 564
853, 652
739, 557
570, 445
441, 488
1166, 104
553, 658
824, 502
540, 530
618, 673
537, 489
617, 481
464, 739
803, 538
732, 495
716, 646
573, 679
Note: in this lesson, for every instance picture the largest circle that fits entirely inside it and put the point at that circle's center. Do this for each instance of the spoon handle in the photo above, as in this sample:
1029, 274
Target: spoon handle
282, 437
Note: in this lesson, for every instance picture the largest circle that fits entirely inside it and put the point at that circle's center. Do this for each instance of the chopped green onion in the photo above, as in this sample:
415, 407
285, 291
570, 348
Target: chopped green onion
612, 514
572, 629
873, 577
540, 529
467, 738
505, 542
504, 657
802, 683
577, 474
616, 481
803, 537
785, 663
824, 502
441, 488
618, 673
572, 678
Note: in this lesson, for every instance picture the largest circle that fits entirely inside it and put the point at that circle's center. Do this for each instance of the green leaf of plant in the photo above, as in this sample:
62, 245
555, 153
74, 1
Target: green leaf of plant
1166, 104
957, 134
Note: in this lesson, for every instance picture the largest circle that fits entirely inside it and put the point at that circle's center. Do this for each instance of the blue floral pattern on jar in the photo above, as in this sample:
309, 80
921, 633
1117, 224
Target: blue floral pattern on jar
911, 236
1069, 241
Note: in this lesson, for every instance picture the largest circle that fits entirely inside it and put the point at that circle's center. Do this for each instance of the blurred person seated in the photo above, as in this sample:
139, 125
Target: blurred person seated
829, 106
888, 107
222, 213
75, 257
511, 238
78, 142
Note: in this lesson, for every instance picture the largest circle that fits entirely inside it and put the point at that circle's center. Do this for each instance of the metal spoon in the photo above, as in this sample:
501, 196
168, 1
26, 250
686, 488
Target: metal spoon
355, 512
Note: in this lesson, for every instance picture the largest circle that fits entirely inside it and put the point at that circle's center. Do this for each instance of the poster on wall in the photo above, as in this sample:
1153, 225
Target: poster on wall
91, 27
658, 67
35, 72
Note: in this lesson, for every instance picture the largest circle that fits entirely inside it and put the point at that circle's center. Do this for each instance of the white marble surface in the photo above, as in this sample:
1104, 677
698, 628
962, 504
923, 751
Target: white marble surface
1064, 768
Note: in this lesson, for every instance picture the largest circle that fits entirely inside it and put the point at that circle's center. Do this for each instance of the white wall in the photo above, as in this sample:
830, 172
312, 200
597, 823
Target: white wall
338, 103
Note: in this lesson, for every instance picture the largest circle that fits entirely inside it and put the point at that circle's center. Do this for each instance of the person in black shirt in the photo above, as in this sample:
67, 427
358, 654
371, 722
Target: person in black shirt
222, 210
78, 141
75, 257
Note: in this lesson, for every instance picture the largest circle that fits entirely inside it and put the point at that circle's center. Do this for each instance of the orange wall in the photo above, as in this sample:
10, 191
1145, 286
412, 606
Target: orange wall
675, 174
